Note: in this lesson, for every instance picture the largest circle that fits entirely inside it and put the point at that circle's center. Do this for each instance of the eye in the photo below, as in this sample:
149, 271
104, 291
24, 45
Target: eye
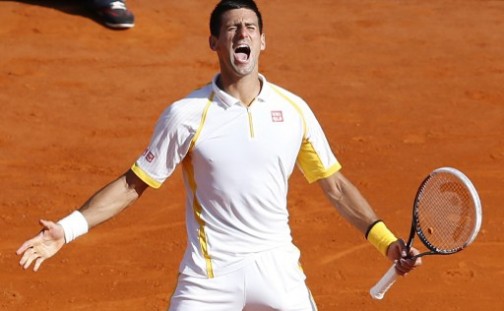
251, 26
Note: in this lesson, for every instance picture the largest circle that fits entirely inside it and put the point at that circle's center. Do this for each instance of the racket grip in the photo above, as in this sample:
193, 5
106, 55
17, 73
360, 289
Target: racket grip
378, 291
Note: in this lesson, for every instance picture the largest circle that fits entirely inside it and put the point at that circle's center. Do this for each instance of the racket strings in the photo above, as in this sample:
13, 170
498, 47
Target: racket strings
445, 214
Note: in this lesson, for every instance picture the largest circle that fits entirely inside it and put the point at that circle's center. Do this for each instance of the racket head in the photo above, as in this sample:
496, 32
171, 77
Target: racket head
447, 211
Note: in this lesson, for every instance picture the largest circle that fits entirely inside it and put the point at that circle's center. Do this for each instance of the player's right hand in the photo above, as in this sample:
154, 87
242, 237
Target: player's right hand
44, 245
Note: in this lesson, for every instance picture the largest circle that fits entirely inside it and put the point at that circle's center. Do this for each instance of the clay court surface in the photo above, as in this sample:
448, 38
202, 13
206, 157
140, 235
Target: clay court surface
400, 87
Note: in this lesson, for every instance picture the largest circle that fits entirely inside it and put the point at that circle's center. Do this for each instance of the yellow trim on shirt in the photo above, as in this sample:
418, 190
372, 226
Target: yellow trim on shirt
203, 118
310, 164
308, 158
251, 124
197, 209
145, 177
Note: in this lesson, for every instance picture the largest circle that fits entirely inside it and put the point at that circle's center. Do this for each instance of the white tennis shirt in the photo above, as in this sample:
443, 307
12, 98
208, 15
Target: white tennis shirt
236, 162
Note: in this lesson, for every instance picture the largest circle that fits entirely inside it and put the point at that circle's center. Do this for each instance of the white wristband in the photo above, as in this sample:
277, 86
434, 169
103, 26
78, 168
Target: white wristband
74, 226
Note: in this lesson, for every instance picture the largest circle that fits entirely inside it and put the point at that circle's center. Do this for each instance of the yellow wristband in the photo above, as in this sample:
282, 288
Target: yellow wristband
380, 236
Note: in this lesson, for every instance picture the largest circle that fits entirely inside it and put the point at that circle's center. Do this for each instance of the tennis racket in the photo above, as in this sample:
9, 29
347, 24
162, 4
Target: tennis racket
447, 217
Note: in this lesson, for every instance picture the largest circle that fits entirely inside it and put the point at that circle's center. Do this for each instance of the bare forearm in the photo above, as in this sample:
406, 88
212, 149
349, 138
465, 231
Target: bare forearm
103, 205
350, 203
108, 202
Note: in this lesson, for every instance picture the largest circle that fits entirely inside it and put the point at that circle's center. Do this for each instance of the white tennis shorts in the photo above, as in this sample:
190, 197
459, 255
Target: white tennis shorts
273, 280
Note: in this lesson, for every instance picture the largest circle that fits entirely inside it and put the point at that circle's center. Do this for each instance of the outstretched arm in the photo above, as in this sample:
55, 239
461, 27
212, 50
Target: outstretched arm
113, 198
350, 203
103, 205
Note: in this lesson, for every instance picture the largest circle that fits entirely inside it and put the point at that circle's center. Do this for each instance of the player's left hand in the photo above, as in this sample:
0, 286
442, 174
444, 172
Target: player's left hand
404, 261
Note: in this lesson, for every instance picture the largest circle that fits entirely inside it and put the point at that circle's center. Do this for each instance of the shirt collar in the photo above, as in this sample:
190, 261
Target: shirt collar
229, 100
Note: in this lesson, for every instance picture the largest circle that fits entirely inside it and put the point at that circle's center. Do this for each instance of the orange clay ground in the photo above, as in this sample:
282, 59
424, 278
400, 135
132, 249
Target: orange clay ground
400, 87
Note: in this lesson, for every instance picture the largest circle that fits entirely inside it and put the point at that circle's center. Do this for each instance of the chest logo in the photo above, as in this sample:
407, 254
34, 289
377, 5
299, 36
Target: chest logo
277, 116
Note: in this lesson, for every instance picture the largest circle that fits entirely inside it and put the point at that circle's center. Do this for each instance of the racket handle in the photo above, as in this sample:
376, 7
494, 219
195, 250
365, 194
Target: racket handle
378, 291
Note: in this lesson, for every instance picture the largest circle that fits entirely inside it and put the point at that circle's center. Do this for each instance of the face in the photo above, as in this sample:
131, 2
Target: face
239, 43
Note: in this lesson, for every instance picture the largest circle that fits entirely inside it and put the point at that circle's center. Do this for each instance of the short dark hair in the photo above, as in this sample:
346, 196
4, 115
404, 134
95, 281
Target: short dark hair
225, 5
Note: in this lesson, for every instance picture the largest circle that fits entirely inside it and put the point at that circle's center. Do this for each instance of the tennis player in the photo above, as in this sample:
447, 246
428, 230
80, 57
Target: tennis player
238, 140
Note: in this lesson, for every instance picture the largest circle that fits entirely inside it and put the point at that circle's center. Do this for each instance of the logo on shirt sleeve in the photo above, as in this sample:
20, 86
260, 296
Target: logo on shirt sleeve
277, 116
148, 155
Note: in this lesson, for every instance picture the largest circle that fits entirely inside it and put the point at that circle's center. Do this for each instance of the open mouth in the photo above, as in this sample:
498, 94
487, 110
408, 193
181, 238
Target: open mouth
242, 53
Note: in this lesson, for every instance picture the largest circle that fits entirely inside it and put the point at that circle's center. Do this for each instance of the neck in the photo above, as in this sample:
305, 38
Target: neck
244, 88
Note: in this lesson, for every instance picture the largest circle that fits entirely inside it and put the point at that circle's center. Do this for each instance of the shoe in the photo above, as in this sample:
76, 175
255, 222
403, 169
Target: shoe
117, 16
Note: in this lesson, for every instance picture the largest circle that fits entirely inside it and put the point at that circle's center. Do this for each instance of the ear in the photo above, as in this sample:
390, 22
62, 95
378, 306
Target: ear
212, 42
263, 42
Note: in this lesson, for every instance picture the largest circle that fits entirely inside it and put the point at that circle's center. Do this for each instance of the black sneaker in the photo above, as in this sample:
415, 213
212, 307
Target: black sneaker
116, 15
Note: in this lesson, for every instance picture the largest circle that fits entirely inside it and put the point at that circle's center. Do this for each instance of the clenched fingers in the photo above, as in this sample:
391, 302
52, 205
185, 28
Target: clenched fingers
409, 262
